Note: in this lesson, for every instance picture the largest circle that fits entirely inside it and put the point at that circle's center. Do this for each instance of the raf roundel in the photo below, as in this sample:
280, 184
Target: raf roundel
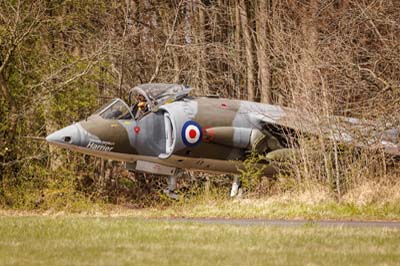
191, 133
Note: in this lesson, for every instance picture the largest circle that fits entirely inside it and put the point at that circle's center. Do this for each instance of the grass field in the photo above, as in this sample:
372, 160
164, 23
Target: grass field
131, 241
273, 209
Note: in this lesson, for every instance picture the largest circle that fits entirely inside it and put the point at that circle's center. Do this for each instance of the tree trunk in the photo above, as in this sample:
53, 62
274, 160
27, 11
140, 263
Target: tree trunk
248, 46
201, 60
177, 68
310, 38
238, 54
262, 53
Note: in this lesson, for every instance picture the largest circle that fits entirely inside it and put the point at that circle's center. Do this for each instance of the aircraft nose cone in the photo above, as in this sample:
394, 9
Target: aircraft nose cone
68, 135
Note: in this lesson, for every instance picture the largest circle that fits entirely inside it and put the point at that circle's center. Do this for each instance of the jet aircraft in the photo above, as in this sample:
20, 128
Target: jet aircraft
163, 130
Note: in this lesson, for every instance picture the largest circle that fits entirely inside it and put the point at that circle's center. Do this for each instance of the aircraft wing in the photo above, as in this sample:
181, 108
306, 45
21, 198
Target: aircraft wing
361, 133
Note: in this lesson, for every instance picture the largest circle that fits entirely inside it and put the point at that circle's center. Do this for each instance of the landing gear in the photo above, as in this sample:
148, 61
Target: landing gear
170, 190
236, 190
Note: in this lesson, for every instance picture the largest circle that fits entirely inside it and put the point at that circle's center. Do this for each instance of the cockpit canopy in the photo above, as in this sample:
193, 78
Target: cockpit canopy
157, 94
151, 95
115, 109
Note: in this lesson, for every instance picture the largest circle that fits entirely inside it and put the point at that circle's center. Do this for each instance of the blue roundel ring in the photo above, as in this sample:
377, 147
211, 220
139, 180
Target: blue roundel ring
192, 133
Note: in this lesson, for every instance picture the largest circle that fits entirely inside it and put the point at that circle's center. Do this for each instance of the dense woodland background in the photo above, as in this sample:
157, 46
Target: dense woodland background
60, 60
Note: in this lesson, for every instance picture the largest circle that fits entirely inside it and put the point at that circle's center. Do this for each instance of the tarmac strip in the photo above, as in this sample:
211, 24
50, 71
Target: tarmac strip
266, 222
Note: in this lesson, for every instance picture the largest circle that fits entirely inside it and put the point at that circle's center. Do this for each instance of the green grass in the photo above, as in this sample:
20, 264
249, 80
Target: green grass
266, 209
131, 241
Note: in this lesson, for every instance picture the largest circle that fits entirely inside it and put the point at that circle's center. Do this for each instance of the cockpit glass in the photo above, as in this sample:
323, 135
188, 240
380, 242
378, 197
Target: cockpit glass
101, 108
158, 94
117, 110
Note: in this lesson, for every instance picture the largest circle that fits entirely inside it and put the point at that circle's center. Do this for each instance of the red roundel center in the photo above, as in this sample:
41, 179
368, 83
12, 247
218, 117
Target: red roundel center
192, 133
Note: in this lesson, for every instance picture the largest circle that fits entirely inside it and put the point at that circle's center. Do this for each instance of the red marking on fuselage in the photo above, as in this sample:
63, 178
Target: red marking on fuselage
192, 133
136, 129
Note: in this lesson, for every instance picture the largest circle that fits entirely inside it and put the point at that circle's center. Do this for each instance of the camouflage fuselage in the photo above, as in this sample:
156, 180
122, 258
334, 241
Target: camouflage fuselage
204, 134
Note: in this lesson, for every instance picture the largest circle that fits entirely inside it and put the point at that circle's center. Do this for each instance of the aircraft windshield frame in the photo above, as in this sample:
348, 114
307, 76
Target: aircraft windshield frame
115, 109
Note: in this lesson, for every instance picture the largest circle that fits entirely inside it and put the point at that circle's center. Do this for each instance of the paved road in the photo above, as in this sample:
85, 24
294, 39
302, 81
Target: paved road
265, 222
